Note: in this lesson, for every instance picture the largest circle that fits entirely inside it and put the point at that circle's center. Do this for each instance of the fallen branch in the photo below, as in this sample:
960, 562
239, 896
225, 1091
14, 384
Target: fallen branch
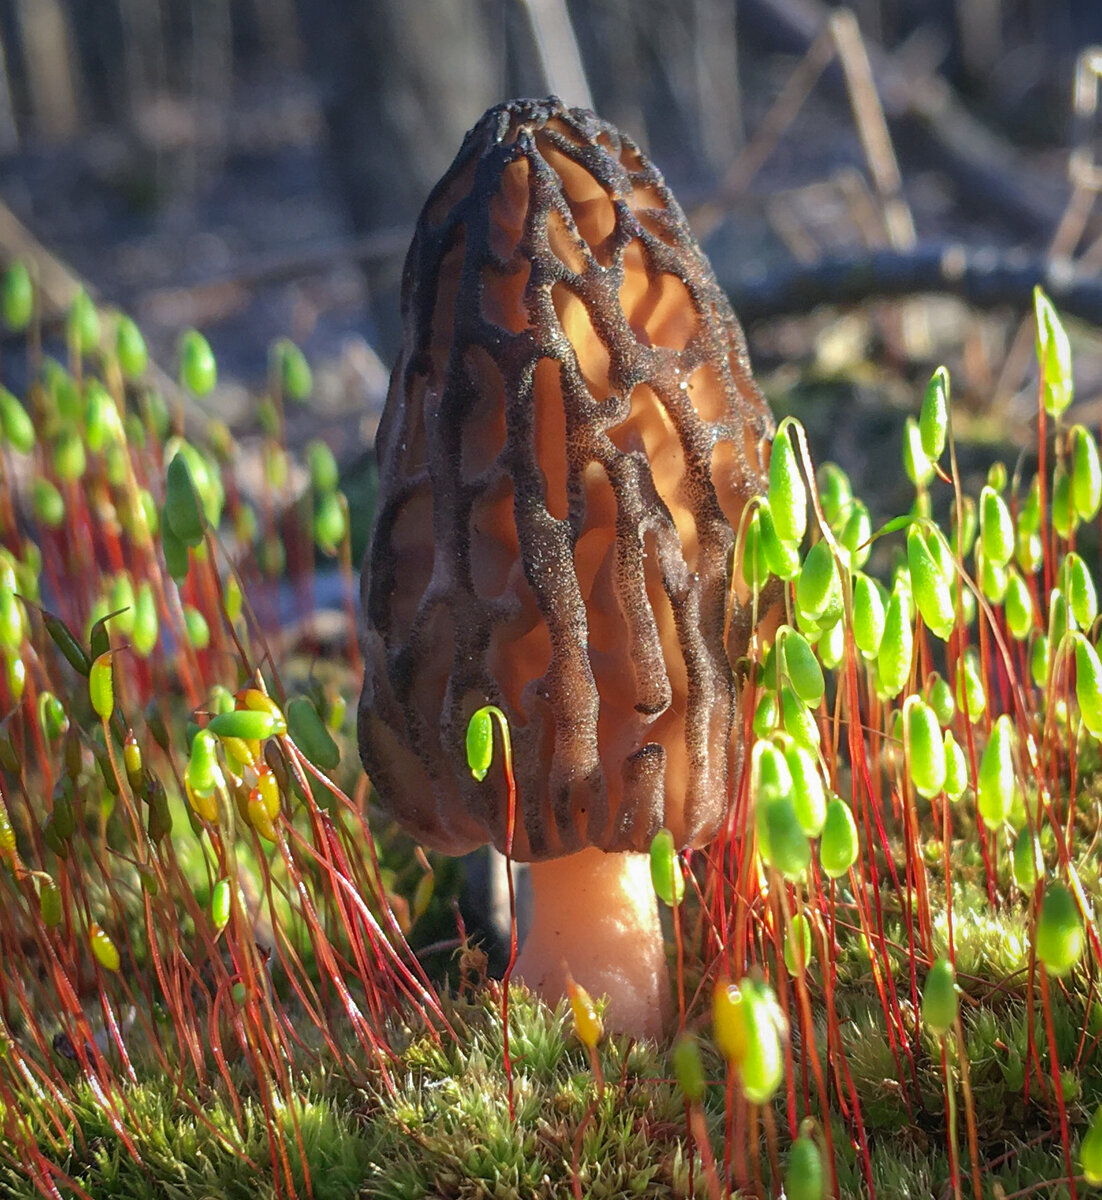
923, 109
983, 277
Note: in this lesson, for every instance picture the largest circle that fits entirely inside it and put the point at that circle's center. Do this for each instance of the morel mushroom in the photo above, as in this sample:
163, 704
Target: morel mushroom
570, 436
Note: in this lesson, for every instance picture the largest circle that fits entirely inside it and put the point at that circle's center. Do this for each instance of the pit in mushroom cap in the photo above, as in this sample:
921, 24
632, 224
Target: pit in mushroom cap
571, 433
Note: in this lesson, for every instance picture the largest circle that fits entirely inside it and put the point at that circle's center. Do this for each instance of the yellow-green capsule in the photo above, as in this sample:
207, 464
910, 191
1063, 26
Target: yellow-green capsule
1086, 473
1090, 1150
835, 492
220, 905
1062, 510
927, 749
203, 773
1027, 863
939, 999
49, 903
105, 951
933, 423
101, 686
198, 631
995, 789
1018, 605
808, 792
930, 588
17, 296
144, 637
782, 558
855, 534
996, 528
915, 460
798, 720
7, 832
1088, 685
893, 660
183, 508
869, 614
665, 869
257, 813
259, 701
804, 1178
198, 370
755, 567
787, 495
749, 1030
797, 944
248, 724
330, 522
956, 767
1059, 936
1079, 588
688, 1068
1053, 355
587, 1021
969, 685
839, 844
16, 425
817, 585
802, 668
130, 348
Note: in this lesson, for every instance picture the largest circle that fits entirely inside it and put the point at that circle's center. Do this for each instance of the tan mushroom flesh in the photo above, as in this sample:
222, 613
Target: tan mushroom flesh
571, 433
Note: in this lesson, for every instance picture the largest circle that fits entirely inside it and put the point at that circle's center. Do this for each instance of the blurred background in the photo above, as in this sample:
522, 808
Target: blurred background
254, 168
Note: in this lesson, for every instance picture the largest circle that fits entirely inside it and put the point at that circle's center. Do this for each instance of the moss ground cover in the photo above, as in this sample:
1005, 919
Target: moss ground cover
225, 975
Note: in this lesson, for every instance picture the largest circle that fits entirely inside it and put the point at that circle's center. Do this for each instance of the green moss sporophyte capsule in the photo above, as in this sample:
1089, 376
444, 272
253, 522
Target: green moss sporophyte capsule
869, 614
750, 1030
15, 423
926, 748
839, 844
1053, 355
817, 587
797, 944
802, 667
198, 370
808, 792
995, 790
896, 645
1090, 1150
996, 527
1086, 473
929, 586
787, 494
665, 869
1079, 589
782, 558
183, 508
1088, 685
101, 686
688, 1067
804, 1177
933, 424
915, 460
17, 296
1018, 605
956, 767
1059, 935
939, 999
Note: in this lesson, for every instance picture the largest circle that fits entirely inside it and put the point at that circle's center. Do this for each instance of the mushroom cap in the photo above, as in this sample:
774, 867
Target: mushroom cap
570, 436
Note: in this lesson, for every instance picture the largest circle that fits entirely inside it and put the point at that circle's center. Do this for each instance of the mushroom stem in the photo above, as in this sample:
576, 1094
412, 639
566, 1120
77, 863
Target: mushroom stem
596, 914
